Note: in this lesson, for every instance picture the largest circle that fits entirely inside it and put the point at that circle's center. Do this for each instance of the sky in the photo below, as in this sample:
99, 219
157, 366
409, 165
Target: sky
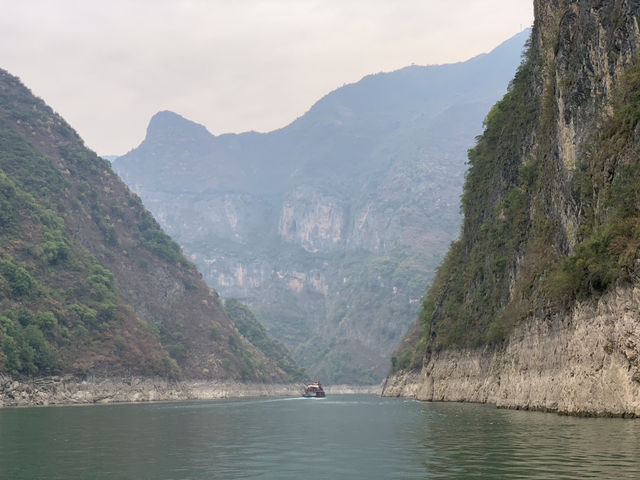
231, 65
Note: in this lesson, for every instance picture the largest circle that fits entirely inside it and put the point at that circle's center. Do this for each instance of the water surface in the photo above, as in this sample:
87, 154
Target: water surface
345, 436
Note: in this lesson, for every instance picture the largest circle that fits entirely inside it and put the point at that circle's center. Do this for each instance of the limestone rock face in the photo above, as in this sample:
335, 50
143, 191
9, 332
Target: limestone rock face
313, 221
584, 364
586, 46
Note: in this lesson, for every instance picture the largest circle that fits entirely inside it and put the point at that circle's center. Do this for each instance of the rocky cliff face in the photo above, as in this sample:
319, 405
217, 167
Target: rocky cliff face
330, 227
583, 364
584, 47
314, 221
535, 305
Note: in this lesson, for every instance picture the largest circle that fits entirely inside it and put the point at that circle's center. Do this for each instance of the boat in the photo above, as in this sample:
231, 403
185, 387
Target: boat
313, 390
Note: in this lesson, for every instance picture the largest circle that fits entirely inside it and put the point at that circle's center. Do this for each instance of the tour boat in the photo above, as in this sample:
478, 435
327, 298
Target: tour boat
313, 390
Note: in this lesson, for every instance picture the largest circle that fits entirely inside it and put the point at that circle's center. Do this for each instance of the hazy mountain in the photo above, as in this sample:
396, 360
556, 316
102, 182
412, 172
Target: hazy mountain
89, 283
331, 227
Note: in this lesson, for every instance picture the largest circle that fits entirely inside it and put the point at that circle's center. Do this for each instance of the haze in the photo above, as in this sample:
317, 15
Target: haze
107, 67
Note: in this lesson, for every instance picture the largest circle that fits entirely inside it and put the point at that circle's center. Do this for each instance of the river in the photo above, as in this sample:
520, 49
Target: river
339, 437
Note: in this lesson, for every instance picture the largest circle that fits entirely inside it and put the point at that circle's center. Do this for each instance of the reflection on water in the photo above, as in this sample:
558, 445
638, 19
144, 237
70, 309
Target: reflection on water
472, 441
350, 436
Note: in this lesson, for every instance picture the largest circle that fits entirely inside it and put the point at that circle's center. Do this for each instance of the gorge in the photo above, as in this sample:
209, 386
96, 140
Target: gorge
331, 227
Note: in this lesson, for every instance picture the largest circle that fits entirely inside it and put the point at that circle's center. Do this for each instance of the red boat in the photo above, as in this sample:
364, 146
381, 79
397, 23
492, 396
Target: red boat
313, 390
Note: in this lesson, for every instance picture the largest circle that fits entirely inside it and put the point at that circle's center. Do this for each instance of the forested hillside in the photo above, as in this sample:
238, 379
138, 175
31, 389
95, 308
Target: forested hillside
89, 282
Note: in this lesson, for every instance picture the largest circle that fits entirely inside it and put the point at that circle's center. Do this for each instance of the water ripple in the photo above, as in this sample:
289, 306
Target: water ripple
337, 437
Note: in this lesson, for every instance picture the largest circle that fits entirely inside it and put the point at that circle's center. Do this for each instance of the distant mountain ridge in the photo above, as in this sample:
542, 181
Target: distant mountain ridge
89, 283
331, 227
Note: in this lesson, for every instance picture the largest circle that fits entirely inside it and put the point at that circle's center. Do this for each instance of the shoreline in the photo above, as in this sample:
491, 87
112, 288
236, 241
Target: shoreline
583, 364
72, 390
602, 413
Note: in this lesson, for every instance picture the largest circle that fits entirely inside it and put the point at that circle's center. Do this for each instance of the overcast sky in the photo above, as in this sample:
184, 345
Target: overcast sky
232, 65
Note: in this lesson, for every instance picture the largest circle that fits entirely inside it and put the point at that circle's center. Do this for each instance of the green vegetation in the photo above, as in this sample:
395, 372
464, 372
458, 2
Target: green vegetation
253, 331
17, 280
81, 258
24, 348
363, 308
32, 339
159, 242
476, 299
608, 186
55, 297
470, 286
30, 171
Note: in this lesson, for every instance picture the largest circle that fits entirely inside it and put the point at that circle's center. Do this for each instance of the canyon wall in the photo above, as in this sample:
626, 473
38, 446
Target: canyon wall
584, 364
536, 305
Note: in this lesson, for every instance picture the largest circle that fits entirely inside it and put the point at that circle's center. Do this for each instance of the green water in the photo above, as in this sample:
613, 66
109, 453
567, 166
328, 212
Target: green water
339, 437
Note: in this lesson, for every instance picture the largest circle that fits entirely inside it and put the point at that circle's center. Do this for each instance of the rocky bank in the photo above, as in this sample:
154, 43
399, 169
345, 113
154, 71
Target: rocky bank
586, 363
72, 390
69, 390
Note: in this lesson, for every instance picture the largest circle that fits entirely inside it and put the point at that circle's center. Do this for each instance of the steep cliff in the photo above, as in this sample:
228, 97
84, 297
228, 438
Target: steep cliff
534, 305
330, 227
89, 283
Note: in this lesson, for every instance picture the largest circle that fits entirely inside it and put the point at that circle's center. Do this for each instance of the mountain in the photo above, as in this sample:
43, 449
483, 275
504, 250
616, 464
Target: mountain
89, 283
329, 228
537, 304
246, 323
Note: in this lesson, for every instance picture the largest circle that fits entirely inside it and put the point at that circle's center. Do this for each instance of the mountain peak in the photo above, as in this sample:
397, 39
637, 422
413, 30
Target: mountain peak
169, 126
